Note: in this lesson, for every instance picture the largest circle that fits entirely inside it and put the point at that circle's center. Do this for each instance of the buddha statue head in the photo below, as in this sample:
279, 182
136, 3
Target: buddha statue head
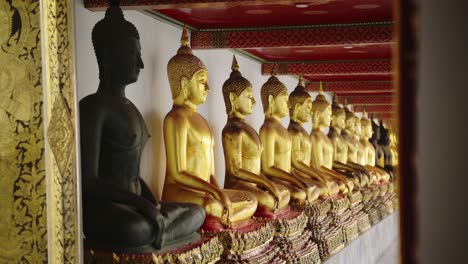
300, 103
116, 43
350, 119
274, 95
384, 136
188, 76
321, 110
366, 126
375, 131
338, 115
237, 93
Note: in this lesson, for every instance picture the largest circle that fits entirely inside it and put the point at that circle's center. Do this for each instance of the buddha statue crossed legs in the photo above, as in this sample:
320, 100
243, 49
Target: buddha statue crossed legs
276, 155
119, 211
242, 147
189, 146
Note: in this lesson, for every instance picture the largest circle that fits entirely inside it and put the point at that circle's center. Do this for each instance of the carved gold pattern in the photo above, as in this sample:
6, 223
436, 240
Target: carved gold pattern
206, 253
60, 151
23, 219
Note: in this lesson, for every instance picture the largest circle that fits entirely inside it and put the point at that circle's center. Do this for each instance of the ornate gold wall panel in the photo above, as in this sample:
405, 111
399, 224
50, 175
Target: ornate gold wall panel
24, 205
61, 159
23, 223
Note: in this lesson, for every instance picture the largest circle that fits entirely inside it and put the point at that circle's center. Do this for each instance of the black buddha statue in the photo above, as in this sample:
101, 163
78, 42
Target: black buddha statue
384, 142
119, 211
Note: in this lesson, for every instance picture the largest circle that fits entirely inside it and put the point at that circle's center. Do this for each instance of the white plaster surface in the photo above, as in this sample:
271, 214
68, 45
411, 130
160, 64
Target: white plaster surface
379, 245
151, 94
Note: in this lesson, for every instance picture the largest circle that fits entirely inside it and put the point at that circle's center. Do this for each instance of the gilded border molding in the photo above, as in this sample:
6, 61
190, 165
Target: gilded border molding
64, 237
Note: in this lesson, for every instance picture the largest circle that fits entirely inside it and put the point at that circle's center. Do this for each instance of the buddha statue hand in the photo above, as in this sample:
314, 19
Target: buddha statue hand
227, 207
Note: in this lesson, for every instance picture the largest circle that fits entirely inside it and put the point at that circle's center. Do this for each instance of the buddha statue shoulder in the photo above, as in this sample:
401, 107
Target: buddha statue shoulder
189, 147
276, 154
300, 108
120, 212
322, 147
243, 148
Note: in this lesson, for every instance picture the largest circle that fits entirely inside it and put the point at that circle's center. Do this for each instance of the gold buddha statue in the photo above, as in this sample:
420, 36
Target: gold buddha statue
189, 146
300, 107
393, 147
322, 147
276, 154
242, 147
340, 151
369, 150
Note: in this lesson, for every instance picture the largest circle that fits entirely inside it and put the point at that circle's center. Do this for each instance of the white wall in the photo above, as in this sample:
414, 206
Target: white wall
151, 94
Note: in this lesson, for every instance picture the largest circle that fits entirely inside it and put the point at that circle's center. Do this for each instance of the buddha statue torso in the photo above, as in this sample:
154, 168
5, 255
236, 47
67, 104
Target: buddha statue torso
340, 151
353, 146
189, 148
281, 143
250, 145
198, 146
324, 147
120, 212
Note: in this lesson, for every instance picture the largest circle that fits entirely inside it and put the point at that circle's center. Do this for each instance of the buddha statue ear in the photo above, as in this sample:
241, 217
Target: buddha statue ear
270, 103
232, 99
184, 84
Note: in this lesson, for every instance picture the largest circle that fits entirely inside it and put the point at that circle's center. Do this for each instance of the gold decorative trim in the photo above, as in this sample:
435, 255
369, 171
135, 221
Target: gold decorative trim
64, 238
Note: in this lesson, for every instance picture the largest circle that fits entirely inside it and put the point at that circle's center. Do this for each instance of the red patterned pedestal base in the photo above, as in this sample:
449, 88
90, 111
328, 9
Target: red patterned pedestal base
342, 217
328, 238
291, 238
251, 243
204, 251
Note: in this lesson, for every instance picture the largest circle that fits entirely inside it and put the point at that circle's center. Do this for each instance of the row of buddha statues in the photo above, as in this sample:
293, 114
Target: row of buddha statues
266, 172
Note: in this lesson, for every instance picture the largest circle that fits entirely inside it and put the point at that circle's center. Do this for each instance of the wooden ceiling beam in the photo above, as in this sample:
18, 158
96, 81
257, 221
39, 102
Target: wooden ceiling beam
352, 68
367, 100
364, 87
307, 36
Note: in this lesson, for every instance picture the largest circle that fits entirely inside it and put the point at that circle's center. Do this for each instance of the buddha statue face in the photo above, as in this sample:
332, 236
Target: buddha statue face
351, 124
244, 103
338, 119
302, 111
300, 103
366, 128
279, 104
358, 131
196, 89
122, 61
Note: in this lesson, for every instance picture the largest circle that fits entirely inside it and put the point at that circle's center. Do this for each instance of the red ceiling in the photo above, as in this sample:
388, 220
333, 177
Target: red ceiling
286, 14
320, 53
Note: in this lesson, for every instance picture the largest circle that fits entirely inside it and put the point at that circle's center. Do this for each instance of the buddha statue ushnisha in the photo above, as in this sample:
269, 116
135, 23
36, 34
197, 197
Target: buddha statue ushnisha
242, 147
300, 108
189, 148
340, 145
322, 147
276, 154
119, 211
